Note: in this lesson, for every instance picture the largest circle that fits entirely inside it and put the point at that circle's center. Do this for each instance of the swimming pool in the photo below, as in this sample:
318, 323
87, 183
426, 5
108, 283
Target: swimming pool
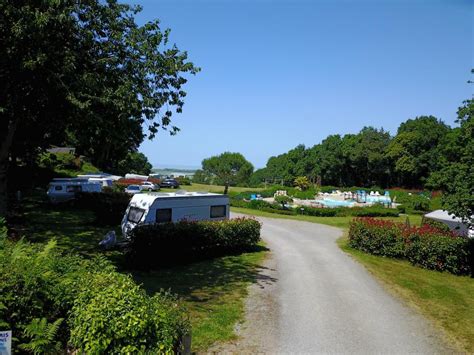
335, 203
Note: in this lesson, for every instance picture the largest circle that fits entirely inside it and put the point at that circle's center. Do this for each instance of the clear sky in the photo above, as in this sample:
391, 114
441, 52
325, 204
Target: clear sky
279, 73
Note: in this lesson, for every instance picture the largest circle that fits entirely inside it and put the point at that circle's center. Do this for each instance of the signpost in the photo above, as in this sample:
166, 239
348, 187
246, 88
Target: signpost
5, 342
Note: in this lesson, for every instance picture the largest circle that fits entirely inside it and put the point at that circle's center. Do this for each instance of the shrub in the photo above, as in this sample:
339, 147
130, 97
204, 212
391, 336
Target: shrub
436, 224
318, 212
114, 315
425, 246
419, 203
182, 242
430, 248
283, 200
302, 182
377, 237
108, 207
40, 288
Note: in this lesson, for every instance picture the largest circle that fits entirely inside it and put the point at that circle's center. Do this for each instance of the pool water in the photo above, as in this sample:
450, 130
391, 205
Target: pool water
335, 203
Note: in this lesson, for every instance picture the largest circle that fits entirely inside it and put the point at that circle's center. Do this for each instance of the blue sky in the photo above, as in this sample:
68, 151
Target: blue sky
279, 73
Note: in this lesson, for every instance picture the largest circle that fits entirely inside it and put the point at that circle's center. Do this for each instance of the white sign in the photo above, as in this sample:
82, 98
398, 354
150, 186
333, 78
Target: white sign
6, 342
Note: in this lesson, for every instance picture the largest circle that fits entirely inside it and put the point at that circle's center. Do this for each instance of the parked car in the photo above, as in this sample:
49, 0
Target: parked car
133, 189
170, 183
149, 186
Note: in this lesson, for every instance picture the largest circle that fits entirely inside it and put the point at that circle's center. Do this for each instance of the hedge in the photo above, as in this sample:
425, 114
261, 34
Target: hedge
372, 211
175, 243
426, 246
108, 207
82, 306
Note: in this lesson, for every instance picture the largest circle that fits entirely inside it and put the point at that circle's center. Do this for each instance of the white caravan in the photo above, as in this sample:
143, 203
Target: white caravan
61, 190
159, 207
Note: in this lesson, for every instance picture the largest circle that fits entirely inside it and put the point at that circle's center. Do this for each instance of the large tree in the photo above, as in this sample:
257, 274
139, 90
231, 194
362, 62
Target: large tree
456, 177
228, 168
83, 73
135, 163
415, 150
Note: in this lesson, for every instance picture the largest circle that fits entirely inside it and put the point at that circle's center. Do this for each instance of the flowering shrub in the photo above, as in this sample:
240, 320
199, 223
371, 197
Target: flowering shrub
173, 243
425, 246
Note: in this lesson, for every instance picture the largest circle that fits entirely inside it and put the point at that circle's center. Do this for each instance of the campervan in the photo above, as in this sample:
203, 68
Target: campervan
61, 190
159, 207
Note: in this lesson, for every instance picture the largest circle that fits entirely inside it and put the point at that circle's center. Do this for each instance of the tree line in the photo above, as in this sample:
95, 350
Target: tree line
412, 158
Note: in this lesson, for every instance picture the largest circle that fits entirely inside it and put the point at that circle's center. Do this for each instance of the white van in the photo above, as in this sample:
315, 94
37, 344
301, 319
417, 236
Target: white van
159, 207
61, 190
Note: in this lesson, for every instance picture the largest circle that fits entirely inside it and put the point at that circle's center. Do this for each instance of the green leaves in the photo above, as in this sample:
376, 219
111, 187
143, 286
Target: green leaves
228, 169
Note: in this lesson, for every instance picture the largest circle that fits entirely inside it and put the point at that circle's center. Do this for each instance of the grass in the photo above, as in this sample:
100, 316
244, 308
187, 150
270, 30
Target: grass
340, 222
445, 299
215, 188
213, 290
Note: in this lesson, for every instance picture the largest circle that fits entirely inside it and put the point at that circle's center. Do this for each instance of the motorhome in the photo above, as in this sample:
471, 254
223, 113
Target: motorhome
159, 207
61, 190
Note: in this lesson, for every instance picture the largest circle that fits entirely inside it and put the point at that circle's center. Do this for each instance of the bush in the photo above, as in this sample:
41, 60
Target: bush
114, 315
302, 182
174, 243
377, 237
108, 207
436, 224
52, 301
425, 246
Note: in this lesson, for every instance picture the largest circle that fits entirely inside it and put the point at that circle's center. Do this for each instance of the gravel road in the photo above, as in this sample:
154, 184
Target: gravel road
313, 298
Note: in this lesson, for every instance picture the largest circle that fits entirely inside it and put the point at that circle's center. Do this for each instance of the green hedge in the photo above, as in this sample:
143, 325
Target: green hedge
174, 243
425, 246
373, 211
108, 207
54, 303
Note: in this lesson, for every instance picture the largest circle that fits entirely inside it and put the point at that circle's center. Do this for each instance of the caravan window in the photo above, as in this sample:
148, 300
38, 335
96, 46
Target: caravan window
135, 214
73, 188
163, 215
218, 211
58, 188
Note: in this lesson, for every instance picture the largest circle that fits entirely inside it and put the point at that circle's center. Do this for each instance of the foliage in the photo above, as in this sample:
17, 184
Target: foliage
302, 182
43, 336
436, 224
283, 200
372, 211
228, 169
40, 287
108, 206
415, 149
456, 178
425, 246
114, 315
183, 242
134, 163
85, 74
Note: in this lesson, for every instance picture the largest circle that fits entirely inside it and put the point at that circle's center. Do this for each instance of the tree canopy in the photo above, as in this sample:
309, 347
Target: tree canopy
228, 169
83, 73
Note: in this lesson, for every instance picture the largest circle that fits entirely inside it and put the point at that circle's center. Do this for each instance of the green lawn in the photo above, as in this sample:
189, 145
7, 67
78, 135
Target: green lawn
215, 188
213, 290
445, 299
340, 222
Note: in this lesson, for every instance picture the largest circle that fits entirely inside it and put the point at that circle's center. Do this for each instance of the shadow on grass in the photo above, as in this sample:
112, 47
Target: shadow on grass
205, 280
74, 229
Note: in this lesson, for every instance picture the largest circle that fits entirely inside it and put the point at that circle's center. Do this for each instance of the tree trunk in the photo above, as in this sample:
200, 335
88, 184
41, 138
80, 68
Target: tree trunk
226, 188
3, 187
5, 148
